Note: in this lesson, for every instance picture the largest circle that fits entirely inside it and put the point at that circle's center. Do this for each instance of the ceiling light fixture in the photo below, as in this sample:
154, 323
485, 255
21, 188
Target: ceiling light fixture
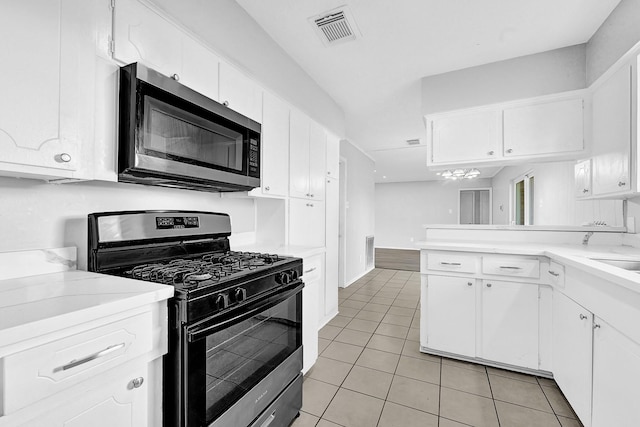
460, 174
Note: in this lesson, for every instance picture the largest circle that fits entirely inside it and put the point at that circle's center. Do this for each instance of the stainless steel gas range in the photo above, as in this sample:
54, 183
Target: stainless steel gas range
235, 340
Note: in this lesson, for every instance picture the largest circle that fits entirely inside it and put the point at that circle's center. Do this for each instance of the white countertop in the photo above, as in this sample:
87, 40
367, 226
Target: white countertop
598, 228
36, 305
284, 250
578, 256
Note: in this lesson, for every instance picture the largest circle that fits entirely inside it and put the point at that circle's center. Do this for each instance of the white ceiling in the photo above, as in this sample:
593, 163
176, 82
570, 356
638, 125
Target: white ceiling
376, 79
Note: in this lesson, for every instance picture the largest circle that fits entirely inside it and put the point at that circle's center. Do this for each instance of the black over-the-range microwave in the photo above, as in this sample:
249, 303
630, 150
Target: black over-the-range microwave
172, 136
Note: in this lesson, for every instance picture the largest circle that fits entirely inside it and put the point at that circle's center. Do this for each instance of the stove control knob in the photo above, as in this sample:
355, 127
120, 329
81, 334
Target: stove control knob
219, 302
293, 274
239, 294
283, 278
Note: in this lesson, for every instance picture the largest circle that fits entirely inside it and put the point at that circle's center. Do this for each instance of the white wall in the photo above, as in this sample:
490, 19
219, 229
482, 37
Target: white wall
34, 214
540, 74
360, 208
231, 32
619, 33
554, 197
402, 208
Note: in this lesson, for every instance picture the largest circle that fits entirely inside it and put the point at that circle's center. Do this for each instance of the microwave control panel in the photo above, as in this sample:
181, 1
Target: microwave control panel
254, 158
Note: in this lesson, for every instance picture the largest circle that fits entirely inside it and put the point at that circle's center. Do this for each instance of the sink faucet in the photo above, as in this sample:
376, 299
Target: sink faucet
585, 239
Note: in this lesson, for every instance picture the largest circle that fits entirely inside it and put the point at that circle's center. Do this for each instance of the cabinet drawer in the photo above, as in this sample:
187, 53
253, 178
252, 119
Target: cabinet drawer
451, 262
312, 268
515, 267
556, 274
42, 371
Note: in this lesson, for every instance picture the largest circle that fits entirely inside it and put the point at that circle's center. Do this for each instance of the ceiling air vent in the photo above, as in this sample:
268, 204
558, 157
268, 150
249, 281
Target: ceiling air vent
336, 26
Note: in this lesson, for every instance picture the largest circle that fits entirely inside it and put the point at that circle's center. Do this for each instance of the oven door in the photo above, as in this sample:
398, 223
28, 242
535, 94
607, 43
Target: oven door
237, 363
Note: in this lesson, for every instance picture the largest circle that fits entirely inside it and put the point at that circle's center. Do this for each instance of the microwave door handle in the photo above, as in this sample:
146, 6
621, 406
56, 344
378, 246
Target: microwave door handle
197, 332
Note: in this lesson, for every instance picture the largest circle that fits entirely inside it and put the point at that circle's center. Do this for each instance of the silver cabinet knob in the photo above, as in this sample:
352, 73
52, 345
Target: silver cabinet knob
596, 326
310, 205
585, 190
621, 184
469, 283
63, 158
488, 285
509, 150
490, 153
137, 382
225, 103
267, 188
175, 77
583, 317
328, 172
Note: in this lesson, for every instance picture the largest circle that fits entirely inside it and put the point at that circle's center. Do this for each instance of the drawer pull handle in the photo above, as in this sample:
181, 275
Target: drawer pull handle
309, 270
269, 420
508, 267
553, 273
583, 317
89, 358
455, 264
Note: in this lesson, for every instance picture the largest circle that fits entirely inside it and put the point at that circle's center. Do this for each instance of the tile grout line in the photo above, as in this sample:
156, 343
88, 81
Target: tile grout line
495, 407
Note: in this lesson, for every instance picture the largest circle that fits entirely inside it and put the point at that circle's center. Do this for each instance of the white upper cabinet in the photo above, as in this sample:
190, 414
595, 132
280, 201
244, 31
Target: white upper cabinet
466, 136
333, 156
583, 178
611, 130
317, 161
48, 98
274, 148
510, 132
545, 128
143, 35
240, 93
307, 157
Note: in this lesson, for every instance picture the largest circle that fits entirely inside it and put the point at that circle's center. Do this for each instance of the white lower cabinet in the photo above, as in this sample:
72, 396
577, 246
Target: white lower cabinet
616, 376
122, 402
510, 323
450, 309
306, 222
572, 351
312, 307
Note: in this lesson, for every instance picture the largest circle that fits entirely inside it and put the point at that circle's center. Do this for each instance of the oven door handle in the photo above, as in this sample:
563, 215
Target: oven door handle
211, 326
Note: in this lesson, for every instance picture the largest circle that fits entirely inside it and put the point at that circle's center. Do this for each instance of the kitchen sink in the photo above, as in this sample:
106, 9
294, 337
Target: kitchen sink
630, 265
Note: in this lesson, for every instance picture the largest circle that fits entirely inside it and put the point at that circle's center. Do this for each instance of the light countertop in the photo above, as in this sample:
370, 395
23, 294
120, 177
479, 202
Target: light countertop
598, 228
578, 256
39, 304
284, 250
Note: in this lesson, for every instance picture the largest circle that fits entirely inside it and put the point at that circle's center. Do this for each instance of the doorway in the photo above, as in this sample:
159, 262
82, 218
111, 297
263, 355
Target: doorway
474, 206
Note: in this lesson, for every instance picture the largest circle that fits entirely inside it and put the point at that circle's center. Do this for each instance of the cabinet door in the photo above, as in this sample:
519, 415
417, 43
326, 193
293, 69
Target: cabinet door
122, 402
466, 136
551, 127
510, 323
332, 224
333, 156
306, 222
317, 161
240, 93
275, 146
199, 68
47, 104
583, 178
612, 134
450, 310
299, 155
140, 34
616, 375
572, 354
311, 313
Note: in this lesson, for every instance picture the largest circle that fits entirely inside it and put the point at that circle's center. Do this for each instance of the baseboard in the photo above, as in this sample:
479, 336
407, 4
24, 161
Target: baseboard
352, 281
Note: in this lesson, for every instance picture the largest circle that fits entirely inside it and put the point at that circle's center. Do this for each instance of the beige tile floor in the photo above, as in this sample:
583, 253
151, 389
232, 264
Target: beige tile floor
371, 373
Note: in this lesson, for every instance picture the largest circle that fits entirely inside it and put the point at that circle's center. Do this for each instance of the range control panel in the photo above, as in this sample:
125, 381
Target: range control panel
175, 222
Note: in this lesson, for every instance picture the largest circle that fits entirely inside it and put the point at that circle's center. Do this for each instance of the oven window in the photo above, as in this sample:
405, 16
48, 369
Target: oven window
173, 132
239, 357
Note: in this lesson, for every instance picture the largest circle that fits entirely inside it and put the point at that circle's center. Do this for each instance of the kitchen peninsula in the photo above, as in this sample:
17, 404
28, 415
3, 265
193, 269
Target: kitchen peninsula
558, 302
